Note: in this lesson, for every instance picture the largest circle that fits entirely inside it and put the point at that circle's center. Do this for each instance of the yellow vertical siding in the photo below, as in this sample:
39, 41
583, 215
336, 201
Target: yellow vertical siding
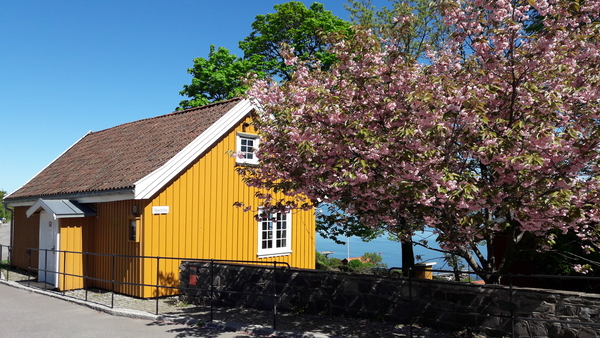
204, 223
71, 259
109, 236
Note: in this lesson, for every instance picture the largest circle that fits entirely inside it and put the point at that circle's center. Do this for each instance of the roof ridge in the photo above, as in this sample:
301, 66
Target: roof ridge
146, 150
205, 106
177, 112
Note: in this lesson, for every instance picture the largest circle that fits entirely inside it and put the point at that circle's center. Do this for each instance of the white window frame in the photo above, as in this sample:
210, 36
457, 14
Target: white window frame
239, 148
270, 230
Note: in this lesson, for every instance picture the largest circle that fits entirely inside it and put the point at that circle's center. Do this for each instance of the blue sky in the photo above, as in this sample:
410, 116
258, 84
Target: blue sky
69, 67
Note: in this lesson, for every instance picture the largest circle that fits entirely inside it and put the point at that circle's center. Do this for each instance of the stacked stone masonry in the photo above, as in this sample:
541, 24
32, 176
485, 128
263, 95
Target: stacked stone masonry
448, 305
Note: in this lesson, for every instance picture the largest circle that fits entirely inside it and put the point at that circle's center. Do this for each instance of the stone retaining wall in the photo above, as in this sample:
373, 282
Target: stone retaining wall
447, 305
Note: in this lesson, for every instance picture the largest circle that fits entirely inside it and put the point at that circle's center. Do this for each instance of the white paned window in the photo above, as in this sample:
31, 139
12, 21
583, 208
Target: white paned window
274, 234
246, 146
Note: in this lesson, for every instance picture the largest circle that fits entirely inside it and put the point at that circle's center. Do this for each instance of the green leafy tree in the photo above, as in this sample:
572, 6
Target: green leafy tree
374, 258
366, 263
3, 212
323, 262
219, 77
293, 24
425, 29
358, 266
222, 75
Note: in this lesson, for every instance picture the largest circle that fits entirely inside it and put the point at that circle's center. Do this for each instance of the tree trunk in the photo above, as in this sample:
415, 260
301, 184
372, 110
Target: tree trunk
408, 257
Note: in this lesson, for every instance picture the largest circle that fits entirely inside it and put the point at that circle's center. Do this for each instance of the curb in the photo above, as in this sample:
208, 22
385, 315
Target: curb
94, 306
135, 314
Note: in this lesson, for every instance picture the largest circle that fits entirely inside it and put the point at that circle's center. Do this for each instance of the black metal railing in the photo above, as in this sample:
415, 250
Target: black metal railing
113, 281
62, 254
507, 281
285, 267
5, 260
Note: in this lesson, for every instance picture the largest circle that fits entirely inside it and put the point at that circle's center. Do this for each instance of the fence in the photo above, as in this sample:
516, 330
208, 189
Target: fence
5, 254
525, 310
43, 273
499, 309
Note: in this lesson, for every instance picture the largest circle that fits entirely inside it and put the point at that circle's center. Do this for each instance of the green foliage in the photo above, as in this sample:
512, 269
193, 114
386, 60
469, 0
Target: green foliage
456, 263
425, 28
357, 266
223, 75
294, 25
335, 261
3, 212
325, 263
374, 258
368, 261
321, 261
183, 303
217, 78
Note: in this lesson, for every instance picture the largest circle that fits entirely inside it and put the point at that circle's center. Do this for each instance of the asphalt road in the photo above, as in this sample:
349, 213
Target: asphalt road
28, 314
24, 313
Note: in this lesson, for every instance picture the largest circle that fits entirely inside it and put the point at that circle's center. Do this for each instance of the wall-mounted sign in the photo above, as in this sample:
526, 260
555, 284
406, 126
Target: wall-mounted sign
160, 210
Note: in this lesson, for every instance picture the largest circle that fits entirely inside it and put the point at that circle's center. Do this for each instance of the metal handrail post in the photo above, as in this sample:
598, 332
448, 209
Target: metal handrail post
86, 272
45, 268
1, 259
512, 309
112, 296
410, 311
64, 267
275, 295
212, 288
157, 281
29, 267
10, 255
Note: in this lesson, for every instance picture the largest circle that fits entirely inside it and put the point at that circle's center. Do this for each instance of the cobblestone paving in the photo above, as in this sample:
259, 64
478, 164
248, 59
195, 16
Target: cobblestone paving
334, 326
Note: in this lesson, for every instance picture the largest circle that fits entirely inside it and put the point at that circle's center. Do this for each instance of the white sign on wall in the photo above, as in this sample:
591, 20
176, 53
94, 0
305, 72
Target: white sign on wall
160, 210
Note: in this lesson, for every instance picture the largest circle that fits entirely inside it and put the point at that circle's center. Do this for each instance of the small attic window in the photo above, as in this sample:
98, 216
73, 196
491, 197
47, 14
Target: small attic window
247, 144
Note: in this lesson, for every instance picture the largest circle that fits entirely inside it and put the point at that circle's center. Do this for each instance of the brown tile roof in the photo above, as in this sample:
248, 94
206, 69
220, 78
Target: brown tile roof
117, 157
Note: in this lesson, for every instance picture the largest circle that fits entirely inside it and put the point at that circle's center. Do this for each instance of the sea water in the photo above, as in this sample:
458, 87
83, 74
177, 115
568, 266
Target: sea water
389, 250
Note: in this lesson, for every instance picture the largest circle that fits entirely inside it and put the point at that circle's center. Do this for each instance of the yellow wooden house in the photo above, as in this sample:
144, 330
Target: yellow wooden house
126, 204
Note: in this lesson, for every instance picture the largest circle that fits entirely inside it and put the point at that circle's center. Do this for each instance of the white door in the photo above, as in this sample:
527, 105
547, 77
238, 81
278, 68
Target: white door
49, 240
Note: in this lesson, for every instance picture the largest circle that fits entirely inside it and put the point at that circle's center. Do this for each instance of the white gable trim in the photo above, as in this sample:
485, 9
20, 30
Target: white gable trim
156, 180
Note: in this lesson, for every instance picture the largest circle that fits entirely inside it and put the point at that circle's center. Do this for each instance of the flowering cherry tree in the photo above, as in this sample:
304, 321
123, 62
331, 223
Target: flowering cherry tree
495, 134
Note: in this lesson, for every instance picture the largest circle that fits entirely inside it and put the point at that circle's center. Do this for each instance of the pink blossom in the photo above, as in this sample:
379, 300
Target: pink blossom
507, 131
